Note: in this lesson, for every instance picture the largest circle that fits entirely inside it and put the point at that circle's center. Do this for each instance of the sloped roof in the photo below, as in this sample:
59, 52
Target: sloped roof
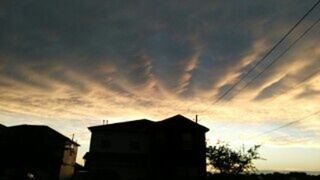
179, 121
135, 124
41, 129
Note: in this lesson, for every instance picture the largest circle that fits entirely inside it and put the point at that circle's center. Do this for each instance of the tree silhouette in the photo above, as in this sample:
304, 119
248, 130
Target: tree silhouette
227, 161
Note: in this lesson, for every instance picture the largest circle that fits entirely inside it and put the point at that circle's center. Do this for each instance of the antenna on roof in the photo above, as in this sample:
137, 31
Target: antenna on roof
105, 122
196, 118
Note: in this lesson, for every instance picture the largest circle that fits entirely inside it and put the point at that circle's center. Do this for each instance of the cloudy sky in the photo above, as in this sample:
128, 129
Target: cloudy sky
70, 64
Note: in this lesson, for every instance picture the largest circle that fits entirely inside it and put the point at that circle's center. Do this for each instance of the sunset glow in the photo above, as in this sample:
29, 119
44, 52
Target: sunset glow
73, 64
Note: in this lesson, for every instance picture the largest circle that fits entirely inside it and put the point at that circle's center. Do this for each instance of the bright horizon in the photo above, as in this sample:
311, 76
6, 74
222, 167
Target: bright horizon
71, 65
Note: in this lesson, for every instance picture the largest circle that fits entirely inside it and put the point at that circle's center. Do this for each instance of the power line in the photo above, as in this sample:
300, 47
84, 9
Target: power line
285, 125
269, 65
263, 58
268, 53
280, 56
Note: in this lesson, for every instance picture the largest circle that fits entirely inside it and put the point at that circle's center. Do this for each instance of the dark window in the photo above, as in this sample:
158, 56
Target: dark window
135, 145
186, 141
105, 144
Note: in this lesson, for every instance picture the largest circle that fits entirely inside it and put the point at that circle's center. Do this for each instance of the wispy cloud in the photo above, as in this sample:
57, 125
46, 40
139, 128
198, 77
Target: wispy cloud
118, 59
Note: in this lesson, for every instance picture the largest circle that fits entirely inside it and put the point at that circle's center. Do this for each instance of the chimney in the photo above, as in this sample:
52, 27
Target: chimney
196, 118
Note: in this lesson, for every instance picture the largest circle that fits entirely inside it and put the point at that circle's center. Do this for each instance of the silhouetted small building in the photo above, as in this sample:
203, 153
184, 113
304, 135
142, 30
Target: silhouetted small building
173, 148
37, 152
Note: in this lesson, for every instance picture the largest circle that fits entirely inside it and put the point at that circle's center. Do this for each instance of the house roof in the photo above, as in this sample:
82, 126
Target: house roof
41, 129
3, 128
177, 121
135, 124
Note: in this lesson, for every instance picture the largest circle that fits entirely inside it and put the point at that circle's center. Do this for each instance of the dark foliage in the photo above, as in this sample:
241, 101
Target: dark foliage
227, 161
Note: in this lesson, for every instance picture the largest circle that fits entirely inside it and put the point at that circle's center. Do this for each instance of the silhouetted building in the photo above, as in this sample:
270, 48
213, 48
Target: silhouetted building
2, 129
36, 152
2, 140
173, 148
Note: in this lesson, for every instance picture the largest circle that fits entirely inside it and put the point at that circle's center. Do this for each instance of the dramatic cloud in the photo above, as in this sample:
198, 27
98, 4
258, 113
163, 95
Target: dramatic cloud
83, 61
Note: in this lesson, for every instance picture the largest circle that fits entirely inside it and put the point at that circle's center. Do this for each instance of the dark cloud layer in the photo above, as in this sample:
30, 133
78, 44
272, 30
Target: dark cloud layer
71, 63
179, 46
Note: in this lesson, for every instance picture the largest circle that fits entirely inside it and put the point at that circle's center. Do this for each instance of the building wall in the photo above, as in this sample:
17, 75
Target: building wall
162, 154
119, 142
125, 154
68, 162
179, 154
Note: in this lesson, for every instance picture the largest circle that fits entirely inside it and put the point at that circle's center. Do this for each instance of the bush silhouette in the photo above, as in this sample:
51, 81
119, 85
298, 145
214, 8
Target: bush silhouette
227, 161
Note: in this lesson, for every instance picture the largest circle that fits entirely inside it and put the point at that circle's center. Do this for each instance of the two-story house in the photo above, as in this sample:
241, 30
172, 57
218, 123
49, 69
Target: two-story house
173, 148
36, 152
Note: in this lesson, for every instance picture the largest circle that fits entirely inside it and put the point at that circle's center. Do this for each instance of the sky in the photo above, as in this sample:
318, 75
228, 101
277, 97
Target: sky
72, 64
